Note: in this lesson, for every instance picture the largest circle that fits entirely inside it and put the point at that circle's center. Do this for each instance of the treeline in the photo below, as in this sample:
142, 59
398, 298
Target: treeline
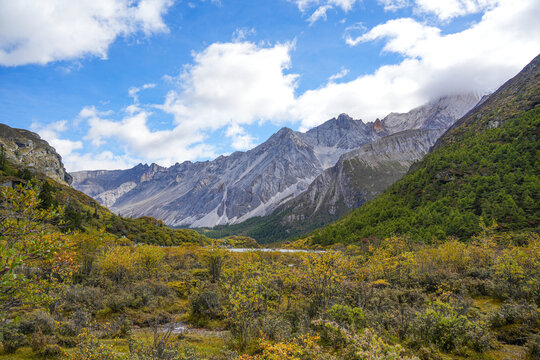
82, 213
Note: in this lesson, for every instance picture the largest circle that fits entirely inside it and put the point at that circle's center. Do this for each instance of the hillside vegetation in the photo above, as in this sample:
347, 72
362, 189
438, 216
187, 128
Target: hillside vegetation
83, 213
484, 169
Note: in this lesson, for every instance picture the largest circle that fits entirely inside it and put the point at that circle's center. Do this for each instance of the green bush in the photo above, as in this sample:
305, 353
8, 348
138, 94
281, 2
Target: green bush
12, 338
442, 326
533, 347
346, 316
38, 320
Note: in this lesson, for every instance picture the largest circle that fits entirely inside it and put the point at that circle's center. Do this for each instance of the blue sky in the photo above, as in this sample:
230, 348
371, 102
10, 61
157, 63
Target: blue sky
111, 83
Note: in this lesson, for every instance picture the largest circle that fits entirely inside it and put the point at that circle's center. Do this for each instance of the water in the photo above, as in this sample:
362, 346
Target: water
175, 328
243, 250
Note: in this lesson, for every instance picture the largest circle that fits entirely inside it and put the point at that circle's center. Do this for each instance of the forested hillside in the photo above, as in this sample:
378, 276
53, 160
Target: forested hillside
485, 169
82, 213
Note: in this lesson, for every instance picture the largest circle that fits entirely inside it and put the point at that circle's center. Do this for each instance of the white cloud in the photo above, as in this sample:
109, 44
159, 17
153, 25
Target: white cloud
229, 86
404, 35
73, 160
240, 139
164, 146
392, 5
320, 13
233, 82
443, 10
340, 75
479, 59
322, 6
104, 160
242, 33
39, 32
134, 91
50, 133
448, 9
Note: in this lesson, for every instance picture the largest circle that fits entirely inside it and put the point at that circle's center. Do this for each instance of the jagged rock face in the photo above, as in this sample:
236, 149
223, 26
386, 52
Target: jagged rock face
437, 114
359, 176
232, 189
29, 150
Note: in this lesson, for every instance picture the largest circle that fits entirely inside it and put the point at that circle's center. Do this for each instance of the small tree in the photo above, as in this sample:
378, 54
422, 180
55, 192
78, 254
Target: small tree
34, 256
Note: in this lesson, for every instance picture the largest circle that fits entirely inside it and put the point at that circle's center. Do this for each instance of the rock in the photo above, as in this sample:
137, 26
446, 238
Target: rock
234, 188
26, 148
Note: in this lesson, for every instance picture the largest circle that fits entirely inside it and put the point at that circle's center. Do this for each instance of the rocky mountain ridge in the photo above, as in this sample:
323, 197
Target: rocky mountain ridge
482, 171
234, 188
27, 149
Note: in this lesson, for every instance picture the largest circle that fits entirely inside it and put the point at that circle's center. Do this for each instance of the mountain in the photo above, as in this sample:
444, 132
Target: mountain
27, 157
27, 149
437, 114
235, 188
359, 175
231, 188
483, 170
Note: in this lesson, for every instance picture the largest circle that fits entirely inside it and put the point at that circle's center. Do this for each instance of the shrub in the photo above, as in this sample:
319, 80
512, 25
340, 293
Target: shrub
89, 348
346, 316
12, 338
514, 322
117, 264
206, 303
78, 296
45, 345
442, 326
533, 347
38, 320
51, 351
363, 345
274, 328
117, 302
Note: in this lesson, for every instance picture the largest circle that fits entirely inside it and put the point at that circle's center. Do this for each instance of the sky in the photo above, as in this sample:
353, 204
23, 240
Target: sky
114, 83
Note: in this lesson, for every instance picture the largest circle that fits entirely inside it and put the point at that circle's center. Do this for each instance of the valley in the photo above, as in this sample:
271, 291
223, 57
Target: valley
258, 224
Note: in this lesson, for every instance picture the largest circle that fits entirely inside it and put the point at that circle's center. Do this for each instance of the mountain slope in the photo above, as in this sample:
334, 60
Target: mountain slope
359, 175
27, 149
235, 188
230, 188
31, 161
485, 167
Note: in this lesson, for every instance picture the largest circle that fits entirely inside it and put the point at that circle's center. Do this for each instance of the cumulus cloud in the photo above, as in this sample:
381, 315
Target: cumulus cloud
103, 160
50, 133
241, 140
139, 141
479, 58
448, 9
229, 86
70, 150
237, 83
39, 32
